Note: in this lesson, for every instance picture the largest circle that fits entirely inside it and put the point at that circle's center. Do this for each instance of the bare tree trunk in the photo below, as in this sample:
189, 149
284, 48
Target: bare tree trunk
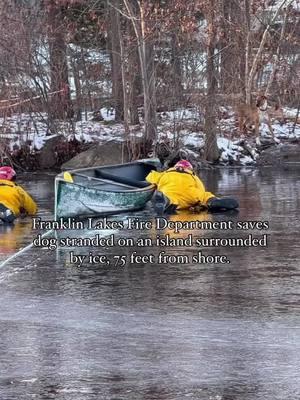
145, 49
277, 56
233, 48
253, 70
177, 72
211, 152
117, 83
123, 74
61, 106
247, 48
244, 45
229, 59
77, 83
135, 85
88, 100
134, 76
297, 116
150, 114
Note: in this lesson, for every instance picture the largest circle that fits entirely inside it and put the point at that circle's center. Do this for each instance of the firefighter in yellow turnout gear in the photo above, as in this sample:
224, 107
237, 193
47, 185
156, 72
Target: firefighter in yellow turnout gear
14, 200
179, 188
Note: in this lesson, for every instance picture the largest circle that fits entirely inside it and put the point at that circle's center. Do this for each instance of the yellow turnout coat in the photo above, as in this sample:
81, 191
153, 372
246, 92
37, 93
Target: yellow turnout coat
184, 189
16, 198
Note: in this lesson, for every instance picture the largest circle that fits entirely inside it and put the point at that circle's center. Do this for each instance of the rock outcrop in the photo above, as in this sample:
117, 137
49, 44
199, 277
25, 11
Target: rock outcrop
46, 157
100, 154
279, 155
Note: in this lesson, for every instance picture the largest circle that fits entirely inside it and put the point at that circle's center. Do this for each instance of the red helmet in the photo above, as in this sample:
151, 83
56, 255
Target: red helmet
184, 164
7, 173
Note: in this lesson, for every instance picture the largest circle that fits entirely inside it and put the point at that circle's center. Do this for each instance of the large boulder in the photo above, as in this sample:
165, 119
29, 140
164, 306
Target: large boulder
99, 154
46, 157
280, 155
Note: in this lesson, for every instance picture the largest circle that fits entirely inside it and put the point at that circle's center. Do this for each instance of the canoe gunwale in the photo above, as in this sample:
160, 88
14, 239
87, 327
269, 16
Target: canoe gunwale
133, 190
108, 167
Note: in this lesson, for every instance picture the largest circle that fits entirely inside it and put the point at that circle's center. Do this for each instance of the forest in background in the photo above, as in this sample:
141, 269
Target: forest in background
65, 58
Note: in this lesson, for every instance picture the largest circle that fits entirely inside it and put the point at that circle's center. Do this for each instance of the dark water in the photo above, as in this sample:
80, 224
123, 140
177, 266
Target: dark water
207, 331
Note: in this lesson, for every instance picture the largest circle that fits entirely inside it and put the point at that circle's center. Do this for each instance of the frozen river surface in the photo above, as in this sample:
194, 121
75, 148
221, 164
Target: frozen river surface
209, 331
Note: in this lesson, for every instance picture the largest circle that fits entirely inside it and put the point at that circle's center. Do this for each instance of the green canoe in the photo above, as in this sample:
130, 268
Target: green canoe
103, 190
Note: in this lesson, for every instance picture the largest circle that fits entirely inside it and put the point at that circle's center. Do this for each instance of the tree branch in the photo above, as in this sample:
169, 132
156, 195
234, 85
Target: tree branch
260, 50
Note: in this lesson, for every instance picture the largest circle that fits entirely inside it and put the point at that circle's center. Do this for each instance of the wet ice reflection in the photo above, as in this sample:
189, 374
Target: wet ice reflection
159, 331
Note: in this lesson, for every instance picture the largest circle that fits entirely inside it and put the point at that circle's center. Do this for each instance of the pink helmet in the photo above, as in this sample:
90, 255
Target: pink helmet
184, 164
7, 173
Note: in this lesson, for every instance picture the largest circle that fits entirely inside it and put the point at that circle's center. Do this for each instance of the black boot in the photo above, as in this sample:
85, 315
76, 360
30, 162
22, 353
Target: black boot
162, 204
6, 215
223, 204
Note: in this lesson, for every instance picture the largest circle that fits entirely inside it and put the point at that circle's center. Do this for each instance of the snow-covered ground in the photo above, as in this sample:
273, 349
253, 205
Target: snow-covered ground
295, 4
182, 127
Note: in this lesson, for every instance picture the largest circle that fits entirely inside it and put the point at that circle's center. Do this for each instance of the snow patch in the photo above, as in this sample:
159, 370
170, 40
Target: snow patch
180, 126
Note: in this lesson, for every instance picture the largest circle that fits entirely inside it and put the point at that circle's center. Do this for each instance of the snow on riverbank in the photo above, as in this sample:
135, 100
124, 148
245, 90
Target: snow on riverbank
181, 127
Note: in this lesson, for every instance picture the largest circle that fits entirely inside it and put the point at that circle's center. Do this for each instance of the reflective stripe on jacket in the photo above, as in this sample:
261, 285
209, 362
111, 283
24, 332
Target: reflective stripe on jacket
16, 198
184, 189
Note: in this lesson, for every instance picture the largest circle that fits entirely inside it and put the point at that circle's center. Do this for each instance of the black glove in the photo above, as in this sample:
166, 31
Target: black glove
197, 208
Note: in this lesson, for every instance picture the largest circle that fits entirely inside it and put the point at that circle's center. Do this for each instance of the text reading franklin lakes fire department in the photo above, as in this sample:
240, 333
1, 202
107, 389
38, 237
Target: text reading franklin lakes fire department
120, 242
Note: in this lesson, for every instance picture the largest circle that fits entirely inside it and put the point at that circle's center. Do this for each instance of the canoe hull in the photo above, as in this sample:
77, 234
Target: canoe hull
89, 196
74, 200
